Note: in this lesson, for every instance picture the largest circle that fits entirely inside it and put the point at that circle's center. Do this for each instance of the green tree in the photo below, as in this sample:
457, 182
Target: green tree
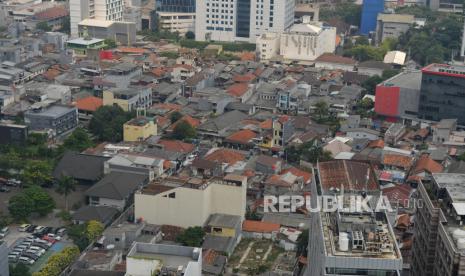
111, 43
321, 110
37, 172
66, 25
79, 140
302, 243
169, 54
175, 116
362, 40
183, 130
43, 202
58, 262
348, 12
21, 206
107, 123
43, 26
190, 35
370, 84
78, 234
19, 269
94, 230
192, 236
65, 186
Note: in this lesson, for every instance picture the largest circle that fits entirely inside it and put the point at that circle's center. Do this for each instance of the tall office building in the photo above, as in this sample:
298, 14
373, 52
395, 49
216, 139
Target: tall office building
442, 93
439, 244
242, 20
175, 15
110, 10
344, 241
370, 10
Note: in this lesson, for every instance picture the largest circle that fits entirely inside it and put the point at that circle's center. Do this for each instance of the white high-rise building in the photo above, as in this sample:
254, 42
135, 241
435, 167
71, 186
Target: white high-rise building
242, 20
110, 10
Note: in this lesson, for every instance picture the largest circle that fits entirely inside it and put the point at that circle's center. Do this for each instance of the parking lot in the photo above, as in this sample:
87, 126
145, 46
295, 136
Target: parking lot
16, 238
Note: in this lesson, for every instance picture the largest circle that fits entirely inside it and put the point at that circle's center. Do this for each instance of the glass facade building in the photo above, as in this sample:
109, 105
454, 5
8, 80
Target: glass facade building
370, 10
175, 6
243, 18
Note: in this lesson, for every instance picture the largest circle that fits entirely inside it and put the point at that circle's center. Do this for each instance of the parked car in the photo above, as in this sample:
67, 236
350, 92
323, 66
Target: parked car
54, 236
12, 258
39, 228
23, 227
13, 182
31, 228
30, 256
22, 247
26, 260
37, 249
3, 232
60, 231
49, 239
4, 189
46, 245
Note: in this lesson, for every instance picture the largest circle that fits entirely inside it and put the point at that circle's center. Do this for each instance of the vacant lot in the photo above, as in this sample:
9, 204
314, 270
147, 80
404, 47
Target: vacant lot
253, 256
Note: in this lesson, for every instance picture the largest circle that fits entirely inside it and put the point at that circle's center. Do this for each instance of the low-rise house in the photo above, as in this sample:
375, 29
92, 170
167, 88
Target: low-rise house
145, 258
333, 62
84, 168
139, 129
394, 133
206, 168
425, 167
268, 165
136, 163
129, 99
336, 146
87, 106
242, 139
217, 126
182, 72
370, 134
116, 190
101, 213
58, 119
260, 229
240, 91
372, 68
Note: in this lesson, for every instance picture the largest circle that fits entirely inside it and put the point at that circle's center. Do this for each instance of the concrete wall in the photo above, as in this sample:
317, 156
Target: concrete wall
190, 207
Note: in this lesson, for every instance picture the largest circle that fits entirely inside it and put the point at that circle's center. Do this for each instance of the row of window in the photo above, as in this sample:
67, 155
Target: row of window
219, 29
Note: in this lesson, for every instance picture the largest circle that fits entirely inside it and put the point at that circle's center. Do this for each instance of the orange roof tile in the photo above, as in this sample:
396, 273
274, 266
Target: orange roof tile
89, 104
398, 160
260, 226
238, 89
52, 13
244, 78
376, 144
242, 136
223, 155
176, 146
167, 106
306, 175
158, 72
248, 56
186, 118
163, 121
131, 50
267, 124
425, 163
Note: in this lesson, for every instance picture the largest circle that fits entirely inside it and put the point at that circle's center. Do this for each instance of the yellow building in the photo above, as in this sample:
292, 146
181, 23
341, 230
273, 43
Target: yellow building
185, 203
139, 129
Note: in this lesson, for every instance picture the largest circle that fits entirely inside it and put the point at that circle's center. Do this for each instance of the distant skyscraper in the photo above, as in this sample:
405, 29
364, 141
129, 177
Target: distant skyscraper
79, 10
370, 10
242, 20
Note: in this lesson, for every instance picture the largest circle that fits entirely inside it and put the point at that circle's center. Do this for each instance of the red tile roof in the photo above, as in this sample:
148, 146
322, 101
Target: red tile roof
243, 136
248, 56
376, 144
425, 163
186, 118
267, 124
398, 160
131, 50
305, 175
52, 13
223, 155
260, 226
89, 104
176, 146
238, 89
244, 78
350, 174
398, 194
158, 72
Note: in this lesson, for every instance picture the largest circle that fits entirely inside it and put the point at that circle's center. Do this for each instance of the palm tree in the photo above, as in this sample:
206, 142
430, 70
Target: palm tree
66, 185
